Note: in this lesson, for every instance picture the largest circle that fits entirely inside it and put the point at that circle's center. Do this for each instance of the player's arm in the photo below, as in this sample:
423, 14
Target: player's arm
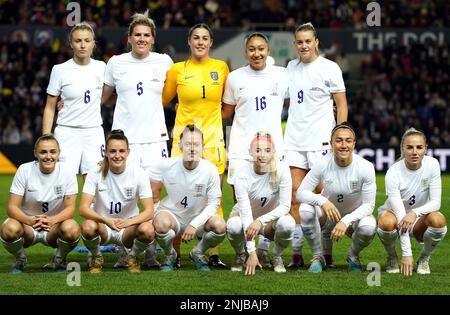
341, 105
106, 93
49, 113
170, 86
14, 211
227, 111
66, 214
157, 187
143, 216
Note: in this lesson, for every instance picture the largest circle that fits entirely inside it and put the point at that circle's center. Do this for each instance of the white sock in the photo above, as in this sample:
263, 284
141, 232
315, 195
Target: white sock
388, 239
93, 245
138, 247
431, 238
165, 240
64, 247
15, 248
209, 240
235, 234
297, 240
263, 243
363, 235
311, 228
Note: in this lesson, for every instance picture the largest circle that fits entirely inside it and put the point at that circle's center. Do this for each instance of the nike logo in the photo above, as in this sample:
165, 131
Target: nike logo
188, 77
241, 88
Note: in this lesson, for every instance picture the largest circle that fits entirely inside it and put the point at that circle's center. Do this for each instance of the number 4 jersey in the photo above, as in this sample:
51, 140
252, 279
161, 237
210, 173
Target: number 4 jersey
117, 194
192, 195
43, 193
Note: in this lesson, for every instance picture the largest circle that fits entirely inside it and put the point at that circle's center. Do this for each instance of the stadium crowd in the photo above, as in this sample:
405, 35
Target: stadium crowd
402, 85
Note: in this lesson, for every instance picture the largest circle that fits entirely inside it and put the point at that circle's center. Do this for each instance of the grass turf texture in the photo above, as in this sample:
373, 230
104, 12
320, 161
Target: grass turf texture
188, 280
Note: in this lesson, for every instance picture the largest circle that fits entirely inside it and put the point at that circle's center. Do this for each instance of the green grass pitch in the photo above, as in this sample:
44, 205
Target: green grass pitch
188, 280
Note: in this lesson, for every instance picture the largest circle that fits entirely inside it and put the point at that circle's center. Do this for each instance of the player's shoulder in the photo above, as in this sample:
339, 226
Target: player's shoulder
363, 163
292, 63
27, 167
431, 162
64, 65
161, 57
205, 164
98, 63
327, 63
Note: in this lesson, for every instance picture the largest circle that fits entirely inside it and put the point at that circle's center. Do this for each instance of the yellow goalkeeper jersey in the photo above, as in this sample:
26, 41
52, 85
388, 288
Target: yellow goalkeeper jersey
199, 86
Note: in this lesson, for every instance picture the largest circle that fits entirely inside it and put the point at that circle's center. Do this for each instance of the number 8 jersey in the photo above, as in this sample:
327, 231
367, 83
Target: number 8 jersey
43, 193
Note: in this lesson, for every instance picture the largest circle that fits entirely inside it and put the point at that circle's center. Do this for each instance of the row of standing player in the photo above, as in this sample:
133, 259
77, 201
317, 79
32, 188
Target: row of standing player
246, 89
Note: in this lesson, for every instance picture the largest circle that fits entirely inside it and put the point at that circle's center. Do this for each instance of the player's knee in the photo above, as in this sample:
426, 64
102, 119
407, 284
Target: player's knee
387, 221
161, 225
145, 231
11, 230
367, 228
89, 229
308, 214
234, 226
436, 219
70, 230
285, 225
217, 224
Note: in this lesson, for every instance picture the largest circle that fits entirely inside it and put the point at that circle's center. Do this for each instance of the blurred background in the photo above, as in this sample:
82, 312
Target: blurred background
396, 74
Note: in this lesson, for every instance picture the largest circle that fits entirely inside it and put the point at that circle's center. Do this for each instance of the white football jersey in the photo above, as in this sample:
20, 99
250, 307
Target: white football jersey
80, 87
259, 98
139, 84
416, 188
193, 196
43, 193
257, 198
311, 117
117, 194
351, 189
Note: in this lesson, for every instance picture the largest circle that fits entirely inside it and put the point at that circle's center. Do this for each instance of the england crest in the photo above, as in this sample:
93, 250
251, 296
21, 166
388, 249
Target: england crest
129, 192
58, 190
199, 190
214, 75
354, 185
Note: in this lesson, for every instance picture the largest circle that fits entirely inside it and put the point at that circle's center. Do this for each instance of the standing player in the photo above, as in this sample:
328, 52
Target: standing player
315, 82
263, 193
413, 187
115, 216
346, 202
190, 207
199, 83
41, 206
79, 83
138, 77
255, 94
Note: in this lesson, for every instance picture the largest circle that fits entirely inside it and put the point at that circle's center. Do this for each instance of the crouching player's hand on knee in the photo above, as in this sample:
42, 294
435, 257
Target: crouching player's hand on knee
252, 263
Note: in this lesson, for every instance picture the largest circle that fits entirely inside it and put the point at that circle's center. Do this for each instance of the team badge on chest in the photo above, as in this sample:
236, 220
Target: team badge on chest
129, 192
214, 75
58, 191
353, 185
199, 190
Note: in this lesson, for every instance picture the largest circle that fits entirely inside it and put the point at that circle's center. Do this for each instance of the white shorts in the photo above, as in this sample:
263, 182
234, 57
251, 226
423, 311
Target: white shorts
233, 166
81, 148
180, 226
145, 154
304, 159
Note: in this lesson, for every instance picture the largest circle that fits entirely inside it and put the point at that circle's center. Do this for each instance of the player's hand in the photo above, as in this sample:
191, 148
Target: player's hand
60, 104
122, 223
40, 222
407, 265
331, 211
189, 233
111, 223
338, 231
253, 230
252, 263
406, 222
